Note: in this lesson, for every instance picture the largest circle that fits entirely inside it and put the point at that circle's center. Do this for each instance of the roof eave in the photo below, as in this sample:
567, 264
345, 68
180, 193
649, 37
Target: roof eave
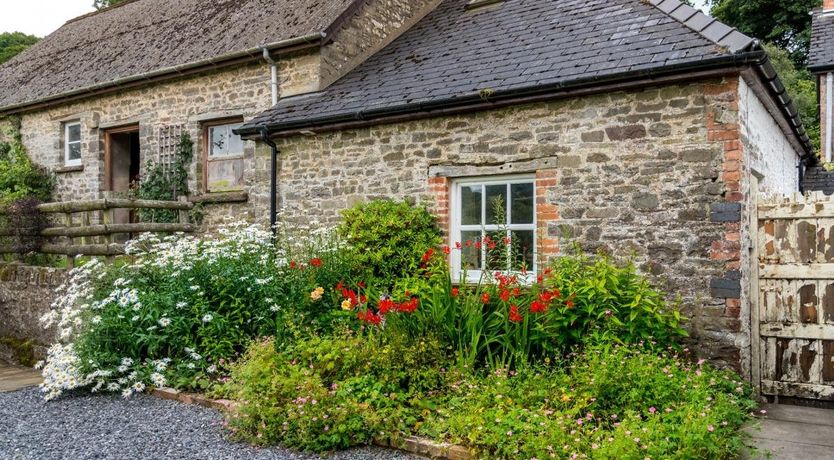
252, 54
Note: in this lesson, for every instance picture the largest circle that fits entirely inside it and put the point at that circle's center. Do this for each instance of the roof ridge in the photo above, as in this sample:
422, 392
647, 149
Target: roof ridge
100, 11
708, 27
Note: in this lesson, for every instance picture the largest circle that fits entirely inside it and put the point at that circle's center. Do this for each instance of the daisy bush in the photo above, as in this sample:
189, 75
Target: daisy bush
181, 306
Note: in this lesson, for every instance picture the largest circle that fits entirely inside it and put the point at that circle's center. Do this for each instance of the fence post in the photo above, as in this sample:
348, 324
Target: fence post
68, 224
183, 213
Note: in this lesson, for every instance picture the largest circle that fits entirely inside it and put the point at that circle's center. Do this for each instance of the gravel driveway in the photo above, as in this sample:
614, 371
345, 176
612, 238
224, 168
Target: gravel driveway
146, 428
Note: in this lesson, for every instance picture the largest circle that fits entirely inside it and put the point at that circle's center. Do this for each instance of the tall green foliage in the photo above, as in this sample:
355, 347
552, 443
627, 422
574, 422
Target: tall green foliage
19, 177
388, 237
14, 43
161, 184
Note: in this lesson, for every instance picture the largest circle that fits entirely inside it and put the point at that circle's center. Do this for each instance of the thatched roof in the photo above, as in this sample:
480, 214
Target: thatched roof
143, 36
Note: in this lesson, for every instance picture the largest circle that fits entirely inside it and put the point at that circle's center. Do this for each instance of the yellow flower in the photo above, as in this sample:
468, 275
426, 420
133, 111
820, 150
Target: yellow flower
565, 398
316, 295
346, 305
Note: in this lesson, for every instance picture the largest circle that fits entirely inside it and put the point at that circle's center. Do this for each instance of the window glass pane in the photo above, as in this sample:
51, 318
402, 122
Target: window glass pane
522, 203
74, 151
73, 133
496, 205
223, 142
523, 250
470, 205
497, 257
470, 252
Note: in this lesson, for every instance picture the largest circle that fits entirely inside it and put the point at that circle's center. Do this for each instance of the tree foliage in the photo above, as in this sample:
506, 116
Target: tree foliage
785, 23
14, 43
99, 4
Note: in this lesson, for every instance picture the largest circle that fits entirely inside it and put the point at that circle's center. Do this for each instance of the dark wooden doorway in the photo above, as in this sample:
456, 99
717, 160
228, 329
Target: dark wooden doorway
122, 160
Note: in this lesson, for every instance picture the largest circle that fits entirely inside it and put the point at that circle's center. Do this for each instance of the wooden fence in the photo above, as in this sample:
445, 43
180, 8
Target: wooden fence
90, 227
793, 297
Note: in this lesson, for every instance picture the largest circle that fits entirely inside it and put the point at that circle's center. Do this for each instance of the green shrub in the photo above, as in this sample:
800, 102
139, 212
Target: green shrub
19, 177
328, 393
502, 321
610, 403
163, 184
184, 305
388, 238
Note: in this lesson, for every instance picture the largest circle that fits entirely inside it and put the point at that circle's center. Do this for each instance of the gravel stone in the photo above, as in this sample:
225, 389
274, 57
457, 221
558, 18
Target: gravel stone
142, 427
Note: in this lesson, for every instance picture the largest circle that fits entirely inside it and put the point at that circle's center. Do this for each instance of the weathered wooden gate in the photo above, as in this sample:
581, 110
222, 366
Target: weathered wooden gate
794, 309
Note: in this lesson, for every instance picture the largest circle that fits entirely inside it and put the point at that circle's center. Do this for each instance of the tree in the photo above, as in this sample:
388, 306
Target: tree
99, 4
785, 23
14, 43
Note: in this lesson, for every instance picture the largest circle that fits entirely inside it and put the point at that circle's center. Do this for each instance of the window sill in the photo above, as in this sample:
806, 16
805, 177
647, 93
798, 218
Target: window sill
69, 169
220, 198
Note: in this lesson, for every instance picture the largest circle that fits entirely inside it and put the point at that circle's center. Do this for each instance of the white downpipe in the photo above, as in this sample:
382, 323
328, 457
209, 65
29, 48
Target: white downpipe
829, 116
274, 68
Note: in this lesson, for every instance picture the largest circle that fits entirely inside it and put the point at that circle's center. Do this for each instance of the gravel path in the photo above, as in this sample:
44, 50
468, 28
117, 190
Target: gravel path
146, 428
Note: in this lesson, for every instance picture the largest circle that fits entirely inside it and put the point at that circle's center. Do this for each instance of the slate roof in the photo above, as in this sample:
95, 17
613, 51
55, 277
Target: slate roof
453, 54
143, 36
821, 56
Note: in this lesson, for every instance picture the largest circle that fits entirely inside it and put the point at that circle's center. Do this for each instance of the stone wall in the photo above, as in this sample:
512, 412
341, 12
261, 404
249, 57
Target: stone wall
26, 294
368, 28
648, 173
191, 102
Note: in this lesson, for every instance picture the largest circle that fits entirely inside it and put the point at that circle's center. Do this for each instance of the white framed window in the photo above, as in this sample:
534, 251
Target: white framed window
224, 157
493, 223
72, 144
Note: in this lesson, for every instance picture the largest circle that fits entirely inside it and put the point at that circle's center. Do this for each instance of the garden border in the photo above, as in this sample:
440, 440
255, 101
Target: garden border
411, 444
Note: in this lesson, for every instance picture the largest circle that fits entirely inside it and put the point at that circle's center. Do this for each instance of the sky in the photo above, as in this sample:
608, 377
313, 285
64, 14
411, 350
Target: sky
40, 17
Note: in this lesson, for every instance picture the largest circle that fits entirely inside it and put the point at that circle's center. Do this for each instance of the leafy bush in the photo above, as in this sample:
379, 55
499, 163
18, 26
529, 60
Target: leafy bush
388, 237
336, 392
184, 305
161, 184
610, 403
19, 177
503, 321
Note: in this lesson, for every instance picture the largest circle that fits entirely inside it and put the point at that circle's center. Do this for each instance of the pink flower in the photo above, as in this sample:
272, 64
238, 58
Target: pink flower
710, 428
652, 410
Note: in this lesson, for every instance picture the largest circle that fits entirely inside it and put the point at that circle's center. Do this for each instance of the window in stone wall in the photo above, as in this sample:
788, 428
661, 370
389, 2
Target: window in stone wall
72, 144
224, 155
494, 221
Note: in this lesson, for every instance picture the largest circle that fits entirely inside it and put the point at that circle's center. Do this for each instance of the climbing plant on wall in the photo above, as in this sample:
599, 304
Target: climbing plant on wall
166, 183
19, 177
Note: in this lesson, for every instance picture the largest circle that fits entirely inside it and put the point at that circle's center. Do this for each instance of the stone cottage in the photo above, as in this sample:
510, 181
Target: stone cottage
637, 127
634, 126
109, 91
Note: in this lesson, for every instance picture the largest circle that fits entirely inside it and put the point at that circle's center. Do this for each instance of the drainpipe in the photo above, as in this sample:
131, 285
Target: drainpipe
273, 181
274, 68
829, 108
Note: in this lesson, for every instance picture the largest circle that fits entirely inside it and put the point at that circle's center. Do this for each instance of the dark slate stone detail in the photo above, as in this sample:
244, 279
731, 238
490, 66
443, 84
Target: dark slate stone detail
822, 41
725, 212
817, 179
526, 44
725, 288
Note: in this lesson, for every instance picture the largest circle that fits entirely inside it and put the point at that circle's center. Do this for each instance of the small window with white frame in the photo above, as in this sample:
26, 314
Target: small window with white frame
493, 226
72, 143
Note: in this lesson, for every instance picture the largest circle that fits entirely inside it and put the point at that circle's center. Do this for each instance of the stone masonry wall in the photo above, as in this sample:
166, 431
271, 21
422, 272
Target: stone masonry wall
642, 173
373, 25
242, 91
26, 294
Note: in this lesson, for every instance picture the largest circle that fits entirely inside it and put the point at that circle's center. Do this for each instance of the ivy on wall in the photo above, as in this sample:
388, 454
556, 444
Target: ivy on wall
166, 184
19, 177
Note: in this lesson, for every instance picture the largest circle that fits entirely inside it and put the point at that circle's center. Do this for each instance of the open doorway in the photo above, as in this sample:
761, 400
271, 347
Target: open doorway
122, 163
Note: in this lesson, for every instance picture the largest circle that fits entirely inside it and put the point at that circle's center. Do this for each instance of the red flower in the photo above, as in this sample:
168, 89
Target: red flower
315, 262
447, 250
514, 315
458, 245
386, 306
293, 264
538, 306
507, 240
340, 287
361, 284
546, 296
427, 256
485, 297
369, 317
409, 306
505, 295
569, 303
516, 292
477, 245
455, 291
468, 243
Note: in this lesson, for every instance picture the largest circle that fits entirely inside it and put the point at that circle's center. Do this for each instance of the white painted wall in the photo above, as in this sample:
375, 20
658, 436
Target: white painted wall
766, 148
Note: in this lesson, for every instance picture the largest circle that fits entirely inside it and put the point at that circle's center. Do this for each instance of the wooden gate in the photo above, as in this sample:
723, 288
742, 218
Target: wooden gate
794, 309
